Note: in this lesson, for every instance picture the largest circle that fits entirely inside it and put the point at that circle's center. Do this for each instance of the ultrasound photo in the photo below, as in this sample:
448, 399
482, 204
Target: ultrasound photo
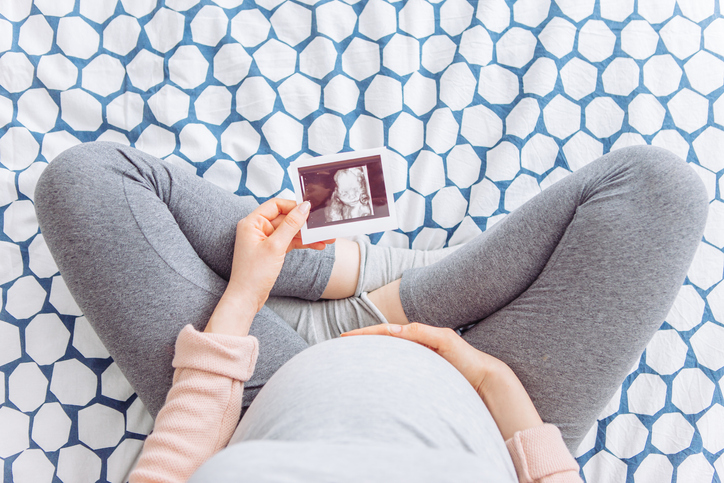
346, 189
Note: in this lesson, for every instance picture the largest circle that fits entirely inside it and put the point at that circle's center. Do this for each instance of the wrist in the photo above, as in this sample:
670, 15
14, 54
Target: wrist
233, 314
508, 402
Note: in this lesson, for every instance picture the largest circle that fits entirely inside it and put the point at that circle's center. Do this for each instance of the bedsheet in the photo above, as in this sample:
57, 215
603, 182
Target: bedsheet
483, 105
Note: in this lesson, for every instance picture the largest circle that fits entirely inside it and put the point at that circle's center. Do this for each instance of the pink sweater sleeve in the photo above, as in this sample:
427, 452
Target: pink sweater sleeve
540, 455
202, 408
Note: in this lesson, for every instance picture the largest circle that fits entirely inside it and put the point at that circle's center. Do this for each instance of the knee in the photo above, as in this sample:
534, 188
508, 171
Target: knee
669, 180
71, 171
85, 158
57, 177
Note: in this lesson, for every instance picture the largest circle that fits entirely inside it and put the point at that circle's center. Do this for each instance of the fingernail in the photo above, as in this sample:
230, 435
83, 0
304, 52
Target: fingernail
304, 207
395, 328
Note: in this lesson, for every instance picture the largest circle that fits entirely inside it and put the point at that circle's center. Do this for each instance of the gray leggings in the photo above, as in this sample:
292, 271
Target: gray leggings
146, 248
567, 290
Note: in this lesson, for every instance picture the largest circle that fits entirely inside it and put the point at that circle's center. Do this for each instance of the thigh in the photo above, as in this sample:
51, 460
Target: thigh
628, 206
573, 334
145, 249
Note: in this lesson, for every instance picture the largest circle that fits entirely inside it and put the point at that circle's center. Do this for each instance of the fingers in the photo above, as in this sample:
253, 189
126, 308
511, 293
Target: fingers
274, 207
314, 246
267, 216
320, 245
436, 338
290, 226
277, 212
297, 244
381, 329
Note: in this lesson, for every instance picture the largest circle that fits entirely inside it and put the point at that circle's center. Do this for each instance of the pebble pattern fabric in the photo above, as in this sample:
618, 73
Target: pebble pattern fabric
483, 105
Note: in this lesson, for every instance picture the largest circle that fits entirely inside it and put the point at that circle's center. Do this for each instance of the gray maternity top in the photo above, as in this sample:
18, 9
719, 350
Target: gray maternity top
364, 409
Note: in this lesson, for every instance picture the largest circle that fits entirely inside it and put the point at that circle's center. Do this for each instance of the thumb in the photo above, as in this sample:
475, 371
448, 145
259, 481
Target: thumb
291, 225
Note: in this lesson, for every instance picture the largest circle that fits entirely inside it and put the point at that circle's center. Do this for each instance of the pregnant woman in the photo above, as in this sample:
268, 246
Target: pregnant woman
209, 305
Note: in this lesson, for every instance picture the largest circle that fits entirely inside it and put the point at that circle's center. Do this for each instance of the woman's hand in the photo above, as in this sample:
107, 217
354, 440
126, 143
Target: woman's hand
263, 238
471, 363
494, 381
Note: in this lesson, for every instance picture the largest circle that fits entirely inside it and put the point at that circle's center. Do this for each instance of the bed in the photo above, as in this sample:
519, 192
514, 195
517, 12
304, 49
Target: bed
482, 104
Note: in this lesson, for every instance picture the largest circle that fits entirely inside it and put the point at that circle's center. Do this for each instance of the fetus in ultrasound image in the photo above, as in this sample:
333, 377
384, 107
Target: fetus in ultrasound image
351, 196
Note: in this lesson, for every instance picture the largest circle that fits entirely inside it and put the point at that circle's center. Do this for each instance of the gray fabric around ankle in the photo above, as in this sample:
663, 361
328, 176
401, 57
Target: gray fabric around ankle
326, 319
381, 265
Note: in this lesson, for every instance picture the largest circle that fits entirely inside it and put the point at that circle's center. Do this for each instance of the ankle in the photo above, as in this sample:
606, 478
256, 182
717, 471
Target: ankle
345, 275
387, 300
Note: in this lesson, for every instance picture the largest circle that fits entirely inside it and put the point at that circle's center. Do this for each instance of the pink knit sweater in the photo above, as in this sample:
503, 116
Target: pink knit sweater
204, 404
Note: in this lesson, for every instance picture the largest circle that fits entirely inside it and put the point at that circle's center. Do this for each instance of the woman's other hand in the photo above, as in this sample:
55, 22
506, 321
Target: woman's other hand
500, 389
263, 238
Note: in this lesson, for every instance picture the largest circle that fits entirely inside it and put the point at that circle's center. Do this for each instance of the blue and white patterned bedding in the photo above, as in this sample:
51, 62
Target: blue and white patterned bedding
484, 104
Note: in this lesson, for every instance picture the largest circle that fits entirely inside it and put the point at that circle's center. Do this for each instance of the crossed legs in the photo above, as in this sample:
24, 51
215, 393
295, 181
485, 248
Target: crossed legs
567, 290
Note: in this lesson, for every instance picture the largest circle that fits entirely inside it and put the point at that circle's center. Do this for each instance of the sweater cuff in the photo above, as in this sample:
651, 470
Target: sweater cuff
539, 452
227, 355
